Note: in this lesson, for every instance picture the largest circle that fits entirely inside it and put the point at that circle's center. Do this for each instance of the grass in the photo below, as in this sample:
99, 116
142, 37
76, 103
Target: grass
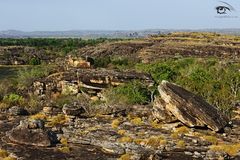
136, 121
125, 139
126, 156
10, 72
211, 139
56, 120
231, 149
116, 123
181, 144
64, 149
155, 141
122, 132
3, 153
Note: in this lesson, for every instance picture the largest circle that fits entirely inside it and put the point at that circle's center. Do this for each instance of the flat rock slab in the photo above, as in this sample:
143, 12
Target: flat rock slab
191, 109
23, 134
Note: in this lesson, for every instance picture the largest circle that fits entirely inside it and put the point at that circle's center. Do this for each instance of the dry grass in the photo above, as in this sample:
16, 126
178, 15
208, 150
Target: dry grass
126, 156
40, 115
3, 153
211, 139
64, 149
121, 132
231, 149
156, 125
116, 123
136, 121
9, 158
155, 141
125, 139
55, 120
181, 144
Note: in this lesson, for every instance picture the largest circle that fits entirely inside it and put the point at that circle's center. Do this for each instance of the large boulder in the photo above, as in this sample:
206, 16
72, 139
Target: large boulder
32, 133
189, 108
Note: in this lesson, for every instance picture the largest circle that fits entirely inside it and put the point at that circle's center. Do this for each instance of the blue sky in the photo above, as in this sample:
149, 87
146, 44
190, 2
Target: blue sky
58, 15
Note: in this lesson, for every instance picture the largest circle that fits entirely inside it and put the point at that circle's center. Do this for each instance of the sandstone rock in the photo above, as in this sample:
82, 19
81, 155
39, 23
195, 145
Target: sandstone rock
70, 81
69, 88
191, 109
72, 110
17, 111
28, 134
160, 113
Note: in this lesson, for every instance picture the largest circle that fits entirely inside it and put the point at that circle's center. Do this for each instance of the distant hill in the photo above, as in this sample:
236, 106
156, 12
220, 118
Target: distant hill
103, 34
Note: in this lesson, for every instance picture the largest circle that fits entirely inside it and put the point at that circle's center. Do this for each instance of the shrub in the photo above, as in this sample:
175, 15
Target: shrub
13, 99
26, 77
34, 61
102, 62
131, 93
217, 81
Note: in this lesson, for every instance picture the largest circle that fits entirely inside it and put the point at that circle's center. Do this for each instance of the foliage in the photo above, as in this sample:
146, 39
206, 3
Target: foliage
130, 93
13, 99
231, 149
216, 80
34, 61
27, 76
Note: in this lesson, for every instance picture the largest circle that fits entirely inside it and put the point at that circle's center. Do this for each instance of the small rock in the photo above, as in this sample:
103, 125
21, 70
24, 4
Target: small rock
72, 111
17, 111
188, 153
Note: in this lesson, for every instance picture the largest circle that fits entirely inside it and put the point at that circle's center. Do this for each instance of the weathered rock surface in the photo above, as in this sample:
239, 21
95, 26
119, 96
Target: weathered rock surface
160, 113
73, 110
31, 133
191, 109
93, 79
16, 111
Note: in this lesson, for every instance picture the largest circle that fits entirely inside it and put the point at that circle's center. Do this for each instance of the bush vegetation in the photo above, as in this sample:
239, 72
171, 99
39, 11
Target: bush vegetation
130, 93
216, 80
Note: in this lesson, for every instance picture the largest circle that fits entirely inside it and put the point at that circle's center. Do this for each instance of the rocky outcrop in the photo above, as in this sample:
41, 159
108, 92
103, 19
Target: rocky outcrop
32, 133
17, 111
161, 113
189, 108
71, 82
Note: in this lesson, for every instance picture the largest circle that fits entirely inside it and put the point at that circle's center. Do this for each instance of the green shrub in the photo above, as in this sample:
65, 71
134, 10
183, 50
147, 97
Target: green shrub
13, 99
216, 80
102, 62
34, 61
131, 93
27, 76
159, 71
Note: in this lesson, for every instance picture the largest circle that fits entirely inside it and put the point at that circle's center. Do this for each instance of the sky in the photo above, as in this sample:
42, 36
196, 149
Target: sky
61, 15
